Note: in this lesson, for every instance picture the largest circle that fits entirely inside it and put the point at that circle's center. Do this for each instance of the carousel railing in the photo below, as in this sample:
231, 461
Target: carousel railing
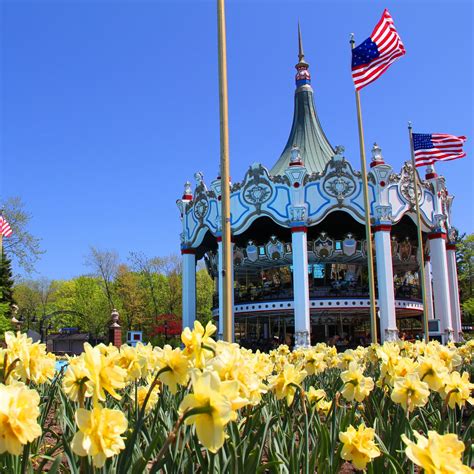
406, 292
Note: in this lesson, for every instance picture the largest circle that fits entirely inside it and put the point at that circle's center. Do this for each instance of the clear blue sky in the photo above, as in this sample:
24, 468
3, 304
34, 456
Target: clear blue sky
108, 107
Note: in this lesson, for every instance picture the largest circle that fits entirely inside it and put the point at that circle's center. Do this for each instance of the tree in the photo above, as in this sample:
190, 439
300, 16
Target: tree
147, 268
85, 296
22, 246
204, 293
6, 284
465, 263
36, 299
104, 264
170, 267
132, 296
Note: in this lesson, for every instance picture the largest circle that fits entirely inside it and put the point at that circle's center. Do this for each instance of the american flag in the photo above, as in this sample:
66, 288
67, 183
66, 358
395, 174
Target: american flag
5, 228
374, 56
431, 147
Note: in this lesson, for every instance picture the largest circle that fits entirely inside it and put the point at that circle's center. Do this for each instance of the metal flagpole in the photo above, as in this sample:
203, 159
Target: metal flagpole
368, 232
420, 238
225, 189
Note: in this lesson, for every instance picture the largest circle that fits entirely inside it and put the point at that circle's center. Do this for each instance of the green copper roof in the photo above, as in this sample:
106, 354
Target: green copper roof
306, 131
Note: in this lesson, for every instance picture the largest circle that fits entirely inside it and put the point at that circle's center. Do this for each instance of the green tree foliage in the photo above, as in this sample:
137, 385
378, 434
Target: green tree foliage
132, 295
465, 262
6, 283
204, 292
142, 293
85, 296
22, 246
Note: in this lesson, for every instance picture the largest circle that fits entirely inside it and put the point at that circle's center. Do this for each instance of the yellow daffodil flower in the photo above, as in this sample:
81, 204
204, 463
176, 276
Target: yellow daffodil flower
152, 399
99, 434
359, 446
104, 373
215, 409
410, 392
174, 366
437, 454
457, 390
315, 395
198, 343
356, 386
287, 381
19, 412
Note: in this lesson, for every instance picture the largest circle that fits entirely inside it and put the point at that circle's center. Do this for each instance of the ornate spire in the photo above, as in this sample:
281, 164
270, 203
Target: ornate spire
302, 75
306, 132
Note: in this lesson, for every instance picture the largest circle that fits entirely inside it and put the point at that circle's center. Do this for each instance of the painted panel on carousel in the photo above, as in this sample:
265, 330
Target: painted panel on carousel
323, 246
275, 248
349, 245
252, 251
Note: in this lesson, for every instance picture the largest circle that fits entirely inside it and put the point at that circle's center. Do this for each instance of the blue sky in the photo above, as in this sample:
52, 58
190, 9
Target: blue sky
108, 107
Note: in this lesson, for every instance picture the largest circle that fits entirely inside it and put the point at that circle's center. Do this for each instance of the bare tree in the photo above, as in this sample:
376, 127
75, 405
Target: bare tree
22, 246
104, 264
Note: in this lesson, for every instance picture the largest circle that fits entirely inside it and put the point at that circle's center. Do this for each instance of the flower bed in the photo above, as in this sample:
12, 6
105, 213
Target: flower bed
216, 407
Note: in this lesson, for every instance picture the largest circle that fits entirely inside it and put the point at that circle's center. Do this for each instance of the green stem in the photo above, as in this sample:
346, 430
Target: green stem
25, 458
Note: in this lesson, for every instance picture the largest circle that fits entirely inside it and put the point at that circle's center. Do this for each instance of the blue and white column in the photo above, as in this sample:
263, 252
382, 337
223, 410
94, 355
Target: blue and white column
189, 287
429, 288
220, 286
385, 285
442, 297
454, 291
301, 287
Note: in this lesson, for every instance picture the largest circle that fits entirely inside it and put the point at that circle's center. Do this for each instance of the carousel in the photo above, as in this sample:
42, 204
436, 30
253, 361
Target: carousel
299, 250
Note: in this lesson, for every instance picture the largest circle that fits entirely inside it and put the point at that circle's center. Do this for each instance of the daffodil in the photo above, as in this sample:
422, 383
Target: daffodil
103, 372
410, 392
315, 395
432, 371
437, 454
28, 361
198, 343
323, 407
457, 390
287, 381
99, 434
173, 366
141, 394
356, 386
211, 409
19, 412
131, 361
359, 446
76, 382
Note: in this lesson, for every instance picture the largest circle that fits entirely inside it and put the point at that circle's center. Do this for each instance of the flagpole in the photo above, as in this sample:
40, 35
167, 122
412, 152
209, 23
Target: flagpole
225, 189
420, 238
368, 232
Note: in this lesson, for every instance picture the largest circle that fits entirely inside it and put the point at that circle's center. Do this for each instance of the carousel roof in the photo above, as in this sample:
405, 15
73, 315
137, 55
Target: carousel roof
306, 131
